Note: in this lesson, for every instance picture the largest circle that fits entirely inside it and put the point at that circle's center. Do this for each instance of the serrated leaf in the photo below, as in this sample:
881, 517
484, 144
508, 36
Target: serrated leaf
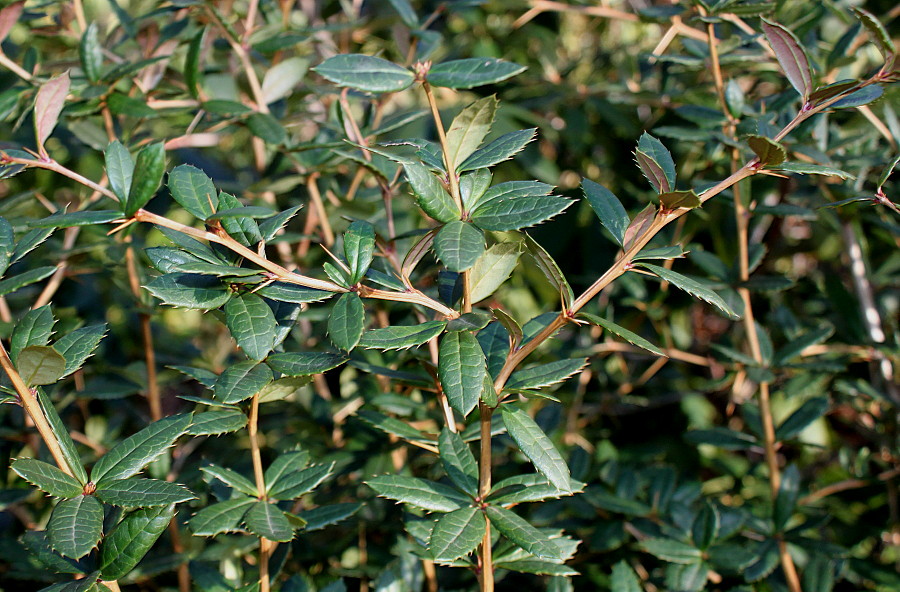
119, 169
270, 226
672, 551
293, 485
497, 151
608, 208
801, 342
304, 363
629, 336
35, 328
391, 425
193, 191
26, 278
492, 269
430, 194
472, 72
529, 488
673, 200
252, 324
281, 78
472, 186
347, 321
37, 542
266, 520
127, 545
48, 104
656, 163
241, 381
83, 218
231, 478
614, 503
790, 55
319, 518
805, 168
545, 263
220, 517
40, 364
217, 421
458, 461
469, 129
768, 151
523, 534
513, 211
66, 444
284, 292
193, 75
535, 444
365, 73
882, 38
132, 454
796, 422
692, 287
461, 369
359, 248
286, 463
76, 526
7, 245
421, 493
624, 579
786, 500
238, 220
401, 337
545, 374
147, 176
189, 290
458, 245
142, 493
456, 534
639, 225
47, 477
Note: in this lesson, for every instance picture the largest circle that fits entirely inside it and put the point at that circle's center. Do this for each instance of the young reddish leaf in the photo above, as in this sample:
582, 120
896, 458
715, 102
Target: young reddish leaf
791, 56
656, 163
639, 225
9, 16
47, 106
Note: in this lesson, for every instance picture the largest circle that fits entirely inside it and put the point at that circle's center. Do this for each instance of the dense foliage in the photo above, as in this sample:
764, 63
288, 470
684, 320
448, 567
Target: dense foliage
605, 298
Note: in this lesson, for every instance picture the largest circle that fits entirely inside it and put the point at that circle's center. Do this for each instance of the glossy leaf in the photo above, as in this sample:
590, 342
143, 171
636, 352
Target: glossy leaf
535, 444
458, 461
286, 463
131, 455
66, 444
304, 363
221, 517
359, 248
319, 518
48, 104
430, 194
241, 381
461, 369
629, 336
26, 278
239, 222
284, 292
400, 336
47, 477
493, 268
142, 493
147, 176
879, 33
456, 534
266, 520
545, 374
790, 55
75, 526
217, 421
365, 73
132, 538
347, 321
189, 290
193, 191
499, 150
193, 74
40, 364
514, 212
252, 324
692, 287
119, 169
804, 168
545, 263
608, 208
472, 186
421, 493
83, 218
459, 245
656, 163
232, 479
468, 130
293, 485
529, 488
35, 328
523, 534
705, 528
472, 72
7, 244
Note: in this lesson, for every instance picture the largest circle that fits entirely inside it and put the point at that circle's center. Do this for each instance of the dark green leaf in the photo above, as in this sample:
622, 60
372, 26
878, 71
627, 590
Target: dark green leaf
142, 493
420, 493
499, 150
7, 245
83, 218
692, 287
125, 546
514, 212
401, 337
524, 535
120, 104
148, 173
624, 579
393, 426
47, 477
614, 503
882, 38
458, 461
241, 381
629, 336
359, 248
608, 208
672, 551
459, 245
304, 363
76, 526
69, 452
365, 73
805, 168
284, 292
193, 75
797, 421
472, 72
430, 194
529, 488
535, 444
221, 517
786, 500
796, 346
35, 328
462, 369
347, 321
231, 478
119, 169
268, 129
722, 438
132, 454
545, 374
40, 364
217, 421
37, 542
656, 163
293, 485
26, 278
189, 290
790, 55
252, 324
545, 263
456, 534
237, 220
284, 464
319, 518
705, 528
193, 191
266, 520
90, 52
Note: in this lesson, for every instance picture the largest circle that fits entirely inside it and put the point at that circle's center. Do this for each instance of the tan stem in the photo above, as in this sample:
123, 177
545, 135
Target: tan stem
486, 573
265, 545
452, 178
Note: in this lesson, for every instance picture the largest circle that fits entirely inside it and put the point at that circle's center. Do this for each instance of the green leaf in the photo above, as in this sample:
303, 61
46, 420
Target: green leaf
529, 488
469, 129
273, 224
125, 546
266, 520
190, 290
252, 324
241, 381
768, 151
282, 77
608, 208
801, 342
790, 55
69, 452
119, 169
148, 174
421, 493
535, 444
692, 287
7, 245
26, 278
804, 168
35, 328
232, 479
217, 421
284, 292
40, 364
47, 477
284, 464
810, 411
120, 104
293, 485
304, 363
83, 218
401, 337
38, 544
365, 73
472, 72
319, 518
90, 52
193, 76
493, 268
458, 461
461, 369
545, 263
391, 425
624, 579
458, 245
673, 200
545, 374
472, 186
672, 551
819, 573
656, 163
705, 528
407, 13
193, 191
882, 38
268, 129
430, 194
786, 500
524, 535
132, 454
690, 577
359, 248
76, 526
499, 150
142, 493
240, 224
629, 336
221, 517
456, 534
514, 210
347, 321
